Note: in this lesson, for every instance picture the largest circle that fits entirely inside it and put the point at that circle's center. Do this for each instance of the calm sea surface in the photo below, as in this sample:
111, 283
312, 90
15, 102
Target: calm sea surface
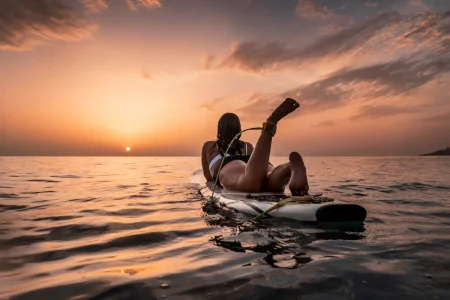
136, 228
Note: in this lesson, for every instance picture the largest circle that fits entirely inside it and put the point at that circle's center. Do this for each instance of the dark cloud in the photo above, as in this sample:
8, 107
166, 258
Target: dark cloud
24, 23
259, 106
390, 32
379, 111
371, 4
360, 84
257, 57
371, 82
27, 22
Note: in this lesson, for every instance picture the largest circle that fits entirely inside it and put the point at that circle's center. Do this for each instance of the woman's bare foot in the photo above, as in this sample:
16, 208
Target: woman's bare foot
298, 184
285, 108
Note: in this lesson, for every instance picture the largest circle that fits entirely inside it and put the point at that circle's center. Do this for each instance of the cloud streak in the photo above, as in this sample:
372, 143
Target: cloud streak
380, 111
390, 32
135, 4
260, 57
95, 6
417, 48
25, 23
371, 82
357, 85
98, 5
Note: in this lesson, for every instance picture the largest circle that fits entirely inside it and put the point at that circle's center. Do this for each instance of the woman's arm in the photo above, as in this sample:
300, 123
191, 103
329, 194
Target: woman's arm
205, 165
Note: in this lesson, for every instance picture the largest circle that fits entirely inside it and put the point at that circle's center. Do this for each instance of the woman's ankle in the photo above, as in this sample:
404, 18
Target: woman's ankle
269, 127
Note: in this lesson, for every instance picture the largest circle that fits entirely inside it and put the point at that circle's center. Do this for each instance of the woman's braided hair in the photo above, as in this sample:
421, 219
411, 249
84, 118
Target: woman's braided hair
228, 127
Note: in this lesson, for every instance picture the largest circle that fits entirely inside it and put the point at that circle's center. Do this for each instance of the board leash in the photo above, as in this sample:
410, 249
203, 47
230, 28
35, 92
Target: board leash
224, 155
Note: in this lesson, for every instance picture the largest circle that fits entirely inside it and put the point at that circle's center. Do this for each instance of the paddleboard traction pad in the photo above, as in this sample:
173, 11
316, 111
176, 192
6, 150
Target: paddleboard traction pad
277, 198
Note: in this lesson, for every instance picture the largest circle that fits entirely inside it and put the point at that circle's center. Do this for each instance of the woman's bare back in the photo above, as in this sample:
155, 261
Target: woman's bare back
210, 151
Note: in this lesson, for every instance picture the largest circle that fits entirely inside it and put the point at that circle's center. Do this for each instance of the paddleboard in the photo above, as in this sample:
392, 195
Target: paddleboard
256, 203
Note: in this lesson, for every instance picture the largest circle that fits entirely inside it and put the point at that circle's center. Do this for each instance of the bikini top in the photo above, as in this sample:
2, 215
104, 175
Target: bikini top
219, 156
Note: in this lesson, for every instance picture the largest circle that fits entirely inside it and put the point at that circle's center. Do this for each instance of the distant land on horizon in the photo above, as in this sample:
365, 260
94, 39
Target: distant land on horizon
445, 152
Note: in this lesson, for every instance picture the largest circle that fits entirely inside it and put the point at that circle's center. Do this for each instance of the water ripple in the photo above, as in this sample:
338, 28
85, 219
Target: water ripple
42, 180
148, 234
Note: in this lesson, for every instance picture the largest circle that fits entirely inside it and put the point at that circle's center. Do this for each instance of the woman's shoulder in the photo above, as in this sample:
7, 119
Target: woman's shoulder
208, 144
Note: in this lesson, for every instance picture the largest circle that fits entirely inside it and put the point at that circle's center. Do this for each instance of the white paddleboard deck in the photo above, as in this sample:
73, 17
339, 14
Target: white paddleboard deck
256, 203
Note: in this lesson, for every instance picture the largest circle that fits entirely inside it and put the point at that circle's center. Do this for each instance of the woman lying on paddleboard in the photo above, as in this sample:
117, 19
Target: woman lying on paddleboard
247, 168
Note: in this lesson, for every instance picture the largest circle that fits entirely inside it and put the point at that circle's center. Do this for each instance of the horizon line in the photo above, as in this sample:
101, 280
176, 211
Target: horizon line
346, 155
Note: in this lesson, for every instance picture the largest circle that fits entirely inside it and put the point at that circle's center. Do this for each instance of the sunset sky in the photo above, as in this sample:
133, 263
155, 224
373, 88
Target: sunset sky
92, 77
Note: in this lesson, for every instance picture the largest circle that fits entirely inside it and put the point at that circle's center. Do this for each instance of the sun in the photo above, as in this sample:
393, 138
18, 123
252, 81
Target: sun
128, 149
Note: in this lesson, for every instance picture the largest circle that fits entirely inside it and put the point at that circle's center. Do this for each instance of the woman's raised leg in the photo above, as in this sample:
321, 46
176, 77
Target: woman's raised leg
252, 179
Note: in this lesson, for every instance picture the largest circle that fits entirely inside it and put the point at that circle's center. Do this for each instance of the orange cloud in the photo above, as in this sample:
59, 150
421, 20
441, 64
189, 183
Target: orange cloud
146, 75
98, 5
134, 4
311, 10
213, 104
95, 5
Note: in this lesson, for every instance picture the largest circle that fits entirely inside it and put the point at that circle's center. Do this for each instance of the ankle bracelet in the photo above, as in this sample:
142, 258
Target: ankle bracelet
269, 127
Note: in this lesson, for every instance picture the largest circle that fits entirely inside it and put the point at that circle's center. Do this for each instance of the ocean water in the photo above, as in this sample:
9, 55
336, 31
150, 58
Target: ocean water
136, 228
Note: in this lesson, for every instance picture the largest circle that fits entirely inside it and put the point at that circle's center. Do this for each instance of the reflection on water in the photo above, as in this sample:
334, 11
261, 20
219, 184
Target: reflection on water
282, 241
134, 228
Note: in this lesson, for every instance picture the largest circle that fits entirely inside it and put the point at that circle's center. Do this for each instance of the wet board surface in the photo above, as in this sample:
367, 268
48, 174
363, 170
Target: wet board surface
256, 203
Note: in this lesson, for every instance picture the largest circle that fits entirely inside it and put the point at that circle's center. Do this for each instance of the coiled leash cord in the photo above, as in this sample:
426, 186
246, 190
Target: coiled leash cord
224, 155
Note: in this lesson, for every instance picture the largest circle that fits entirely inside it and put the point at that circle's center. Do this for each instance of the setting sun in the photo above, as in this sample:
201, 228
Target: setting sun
128, 149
